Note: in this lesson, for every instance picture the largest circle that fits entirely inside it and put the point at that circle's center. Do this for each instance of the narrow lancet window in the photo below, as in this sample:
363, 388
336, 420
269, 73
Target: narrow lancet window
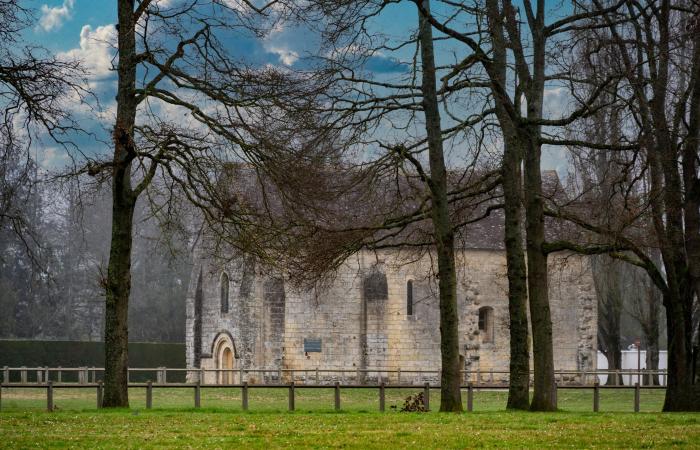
409, 298
486, 324
224, 293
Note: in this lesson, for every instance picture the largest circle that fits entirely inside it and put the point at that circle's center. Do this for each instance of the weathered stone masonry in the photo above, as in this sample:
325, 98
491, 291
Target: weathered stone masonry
361, 317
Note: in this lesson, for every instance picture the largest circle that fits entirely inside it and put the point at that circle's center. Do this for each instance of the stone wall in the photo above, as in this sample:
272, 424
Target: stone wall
360, 317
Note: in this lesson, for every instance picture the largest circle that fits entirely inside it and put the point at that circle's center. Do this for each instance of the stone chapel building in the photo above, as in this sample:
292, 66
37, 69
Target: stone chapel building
378, 312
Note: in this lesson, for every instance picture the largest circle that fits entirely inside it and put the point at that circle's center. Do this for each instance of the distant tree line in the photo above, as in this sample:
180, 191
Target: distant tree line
51, 287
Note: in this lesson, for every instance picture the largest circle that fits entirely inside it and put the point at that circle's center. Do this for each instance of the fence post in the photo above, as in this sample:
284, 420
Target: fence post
99, 395
197, 394
6, 374
358, 376
149, 394
337, 396
596, 397
381, 397
49, 396
426, 396
244, 396
59, 374
470, 397
23, 375
291, 396
39, 373
47, 377
240, 374
201, 375
636, 396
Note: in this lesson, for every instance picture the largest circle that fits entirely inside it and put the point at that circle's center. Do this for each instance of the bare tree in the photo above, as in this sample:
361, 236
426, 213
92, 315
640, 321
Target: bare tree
35, 88
662, 74
186, 67
532, 63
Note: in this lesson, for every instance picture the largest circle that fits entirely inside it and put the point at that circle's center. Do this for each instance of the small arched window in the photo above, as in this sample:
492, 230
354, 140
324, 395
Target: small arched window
486, 324
409, 298
224, 293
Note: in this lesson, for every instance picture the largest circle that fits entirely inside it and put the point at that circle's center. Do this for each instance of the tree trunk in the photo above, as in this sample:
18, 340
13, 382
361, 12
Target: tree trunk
607, 277
538, 295
614, 357
450, 399
681, 393
537, 276
118, 283
511, 181
650, 328
519, 386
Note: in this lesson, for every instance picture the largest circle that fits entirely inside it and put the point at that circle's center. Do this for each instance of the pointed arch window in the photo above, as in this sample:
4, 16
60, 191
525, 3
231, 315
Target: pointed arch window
224, 293
409, 298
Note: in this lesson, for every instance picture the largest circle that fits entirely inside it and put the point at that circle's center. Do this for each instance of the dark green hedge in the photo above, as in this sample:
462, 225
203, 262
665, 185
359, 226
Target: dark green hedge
89, 354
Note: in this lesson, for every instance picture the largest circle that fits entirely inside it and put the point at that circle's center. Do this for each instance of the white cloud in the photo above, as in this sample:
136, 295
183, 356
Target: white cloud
96, 49
556, 102
52, 18
53, 157
287, 56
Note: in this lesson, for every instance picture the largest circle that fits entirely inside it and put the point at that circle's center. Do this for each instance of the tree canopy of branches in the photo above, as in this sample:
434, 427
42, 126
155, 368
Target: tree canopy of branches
35, 87
175, 56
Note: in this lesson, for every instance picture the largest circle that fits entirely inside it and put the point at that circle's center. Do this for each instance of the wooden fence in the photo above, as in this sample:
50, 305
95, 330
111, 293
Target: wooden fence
318, 376
291, 387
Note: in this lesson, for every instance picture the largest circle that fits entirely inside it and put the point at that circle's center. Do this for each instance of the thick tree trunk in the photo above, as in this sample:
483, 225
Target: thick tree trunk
681, 393
537, 277
450, 399
519, 386
511, 181
117, 306
118, 283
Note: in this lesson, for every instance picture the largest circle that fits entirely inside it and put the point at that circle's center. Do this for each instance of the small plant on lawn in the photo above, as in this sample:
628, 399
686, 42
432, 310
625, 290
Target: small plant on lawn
414, 403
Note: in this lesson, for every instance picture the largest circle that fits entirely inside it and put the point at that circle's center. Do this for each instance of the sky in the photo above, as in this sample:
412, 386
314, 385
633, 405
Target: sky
85, 29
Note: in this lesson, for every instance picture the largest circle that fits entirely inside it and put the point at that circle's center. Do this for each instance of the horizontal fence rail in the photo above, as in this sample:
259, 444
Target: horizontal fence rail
381, 388
319, 376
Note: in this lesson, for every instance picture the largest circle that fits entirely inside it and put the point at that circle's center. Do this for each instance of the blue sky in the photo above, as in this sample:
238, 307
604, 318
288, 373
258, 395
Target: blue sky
84, 29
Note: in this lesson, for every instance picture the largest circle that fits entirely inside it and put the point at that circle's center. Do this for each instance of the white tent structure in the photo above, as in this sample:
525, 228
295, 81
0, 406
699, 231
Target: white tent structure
630, 360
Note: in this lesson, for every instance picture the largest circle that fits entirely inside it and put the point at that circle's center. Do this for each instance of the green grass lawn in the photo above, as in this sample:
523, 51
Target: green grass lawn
221, 422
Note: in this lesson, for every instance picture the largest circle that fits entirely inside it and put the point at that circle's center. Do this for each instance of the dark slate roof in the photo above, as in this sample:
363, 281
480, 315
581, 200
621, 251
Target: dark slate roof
362, 207
489, 232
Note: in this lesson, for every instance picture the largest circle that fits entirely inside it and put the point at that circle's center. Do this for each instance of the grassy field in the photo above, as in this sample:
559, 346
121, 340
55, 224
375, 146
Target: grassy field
221, 423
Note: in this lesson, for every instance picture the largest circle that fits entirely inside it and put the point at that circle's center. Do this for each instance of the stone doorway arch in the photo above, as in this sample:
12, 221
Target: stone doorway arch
224, 357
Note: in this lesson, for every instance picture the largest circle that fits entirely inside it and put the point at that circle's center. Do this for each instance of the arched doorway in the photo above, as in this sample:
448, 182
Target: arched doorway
224, 354
227, 364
